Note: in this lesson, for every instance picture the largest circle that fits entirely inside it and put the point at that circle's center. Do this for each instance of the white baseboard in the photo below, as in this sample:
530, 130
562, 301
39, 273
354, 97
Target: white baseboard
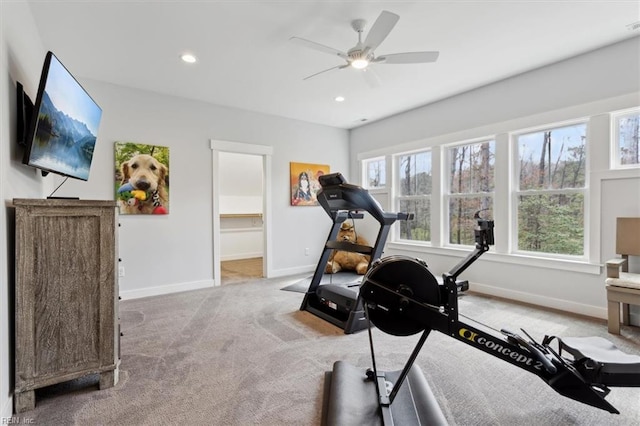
292, 271
165, 289
240, 256
7, 408
534, 299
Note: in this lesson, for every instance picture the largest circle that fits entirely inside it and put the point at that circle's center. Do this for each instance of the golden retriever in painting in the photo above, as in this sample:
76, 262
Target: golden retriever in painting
144, 186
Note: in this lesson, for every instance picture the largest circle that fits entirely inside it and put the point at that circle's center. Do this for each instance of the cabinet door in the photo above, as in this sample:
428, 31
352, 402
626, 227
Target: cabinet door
65, 291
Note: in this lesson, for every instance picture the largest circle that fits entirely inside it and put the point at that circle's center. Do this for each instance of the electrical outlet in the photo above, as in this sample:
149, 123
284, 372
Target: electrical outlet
121, 271
306, 251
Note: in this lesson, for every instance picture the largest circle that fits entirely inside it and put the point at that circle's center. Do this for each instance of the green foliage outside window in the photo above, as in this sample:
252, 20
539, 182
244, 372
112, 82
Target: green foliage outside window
471, 185
415, 180
461, 221
552, 177
549, 187
418, 229
551, 223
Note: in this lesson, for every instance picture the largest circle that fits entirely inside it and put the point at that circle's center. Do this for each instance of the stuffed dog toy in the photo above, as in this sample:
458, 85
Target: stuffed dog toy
345, 260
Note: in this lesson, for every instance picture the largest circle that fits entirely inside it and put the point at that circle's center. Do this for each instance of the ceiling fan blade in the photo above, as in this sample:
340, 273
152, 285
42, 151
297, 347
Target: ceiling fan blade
317, 46
380, 30
408, 58
328, 69
371, 77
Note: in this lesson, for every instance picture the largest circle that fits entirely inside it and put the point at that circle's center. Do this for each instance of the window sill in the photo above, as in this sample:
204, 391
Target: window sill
514, 259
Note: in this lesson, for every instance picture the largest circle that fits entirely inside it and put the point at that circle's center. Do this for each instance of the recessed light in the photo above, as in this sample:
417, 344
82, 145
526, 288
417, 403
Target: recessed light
188, 58
339, 99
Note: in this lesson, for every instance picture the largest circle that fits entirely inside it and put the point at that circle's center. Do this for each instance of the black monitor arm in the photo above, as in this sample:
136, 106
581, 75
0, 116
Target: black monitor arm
484, 238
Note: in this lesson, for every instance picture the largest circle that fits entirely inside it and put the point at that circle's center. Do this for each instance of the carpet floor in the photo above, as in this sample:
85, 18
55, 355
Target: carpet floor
243, 354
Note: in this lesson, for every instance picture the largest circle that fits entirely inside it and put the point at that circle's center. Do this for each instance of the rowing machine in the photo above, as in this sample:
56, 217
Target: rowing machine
401, 297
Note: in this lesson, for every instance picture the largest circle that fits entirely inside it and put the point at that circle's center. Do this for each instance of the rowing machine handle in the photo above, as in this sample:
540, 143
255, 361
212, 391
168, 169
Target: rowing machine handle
546, 362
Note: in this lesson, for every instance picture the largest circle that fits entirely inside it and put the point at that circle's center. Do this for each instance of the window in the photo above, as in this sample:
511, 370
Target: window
626, 140
551, 189
374, 173
414, 194
471, 177
534, 182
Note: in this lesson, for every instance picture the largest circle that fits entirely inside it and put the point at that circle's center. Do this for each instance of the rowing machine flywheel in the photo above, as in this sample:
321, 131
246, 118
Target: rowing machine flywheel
389, 285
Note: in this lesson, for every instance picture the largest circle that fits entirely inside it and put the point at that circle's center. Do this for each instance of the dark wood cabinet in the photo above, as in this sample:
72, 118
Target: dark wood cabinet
66, 294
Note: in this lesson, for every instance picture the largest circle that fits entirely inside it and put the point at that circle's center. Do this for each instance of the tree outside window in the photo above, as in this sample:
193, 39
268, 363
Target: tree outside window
414, 180
551, 190
375, 173
471, 186
627, 140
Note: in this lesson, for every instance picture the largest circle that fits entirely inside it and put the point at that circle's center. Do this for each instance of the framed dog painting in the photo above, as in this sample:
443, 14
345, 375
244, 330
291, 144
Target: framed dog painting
141, 178
304, 182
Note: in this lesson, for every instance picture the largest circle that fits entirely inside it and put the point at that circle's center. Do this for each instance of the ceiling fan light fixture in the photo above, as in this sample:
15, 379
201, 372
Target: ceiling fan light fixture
359, 64
362, 55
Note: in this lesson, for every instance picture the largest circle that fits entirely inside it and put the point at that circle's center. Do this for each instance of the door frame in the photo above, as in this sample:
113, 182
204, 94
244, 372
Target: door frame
218, 146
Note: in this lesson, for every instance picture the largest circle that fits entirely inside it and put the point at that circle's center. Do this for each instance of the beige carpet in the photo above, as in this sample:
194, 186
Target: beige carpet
244, 354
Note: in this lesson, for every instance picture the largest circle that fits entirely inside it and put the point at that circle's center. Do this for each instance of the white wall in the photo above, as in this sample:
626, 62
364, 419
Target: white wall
601, 74
174, 252
241, 238
589, 85
240, 183
21, 58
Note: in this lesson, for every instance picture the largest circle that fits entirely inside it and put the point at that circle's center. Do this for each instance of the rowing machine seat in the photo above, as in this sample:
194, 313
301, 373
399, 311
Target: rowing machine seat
602, 362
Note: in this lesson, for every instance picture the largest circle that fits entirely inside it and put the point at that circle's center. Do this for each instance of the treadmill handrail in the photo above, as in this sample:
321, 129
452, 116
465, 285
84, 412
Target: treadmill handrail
349, 246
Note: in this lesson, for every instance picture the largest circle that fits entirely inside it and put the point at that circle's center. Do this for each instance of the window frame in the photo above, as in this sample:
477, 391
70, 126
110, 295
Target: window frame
516, 192
447, 195
365, 172
396, 198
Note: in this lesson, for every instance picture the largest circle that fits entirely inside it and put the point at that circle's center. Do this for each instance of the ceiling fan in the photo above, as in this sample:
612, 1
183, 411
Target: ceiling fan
362, 55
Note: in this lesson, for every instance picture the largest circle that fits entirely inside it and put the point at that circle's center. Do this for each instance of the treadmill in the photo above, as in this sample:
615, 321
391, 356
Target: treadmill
339, 303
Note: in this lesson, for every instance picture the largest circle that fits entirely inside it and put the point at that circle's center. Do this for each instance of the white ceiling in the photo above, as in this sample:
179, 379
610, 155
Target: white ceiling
247, 61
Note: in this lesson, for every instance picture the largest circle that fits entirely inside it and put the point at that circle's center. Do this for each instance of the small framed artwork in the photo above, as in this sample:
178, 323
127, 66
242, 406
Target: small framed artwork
141, 178
304, 182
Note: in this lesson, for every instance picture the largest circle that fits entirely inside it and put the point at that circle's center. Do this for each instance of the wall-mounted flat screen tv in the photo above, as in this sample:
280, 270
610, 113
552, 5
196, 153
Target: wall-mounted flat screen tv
64, 126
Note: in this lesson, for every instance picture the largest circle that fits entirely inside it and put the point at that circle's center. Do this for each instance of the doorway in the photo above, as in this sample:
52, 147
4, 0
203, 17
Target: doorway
241, 233
241, 210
